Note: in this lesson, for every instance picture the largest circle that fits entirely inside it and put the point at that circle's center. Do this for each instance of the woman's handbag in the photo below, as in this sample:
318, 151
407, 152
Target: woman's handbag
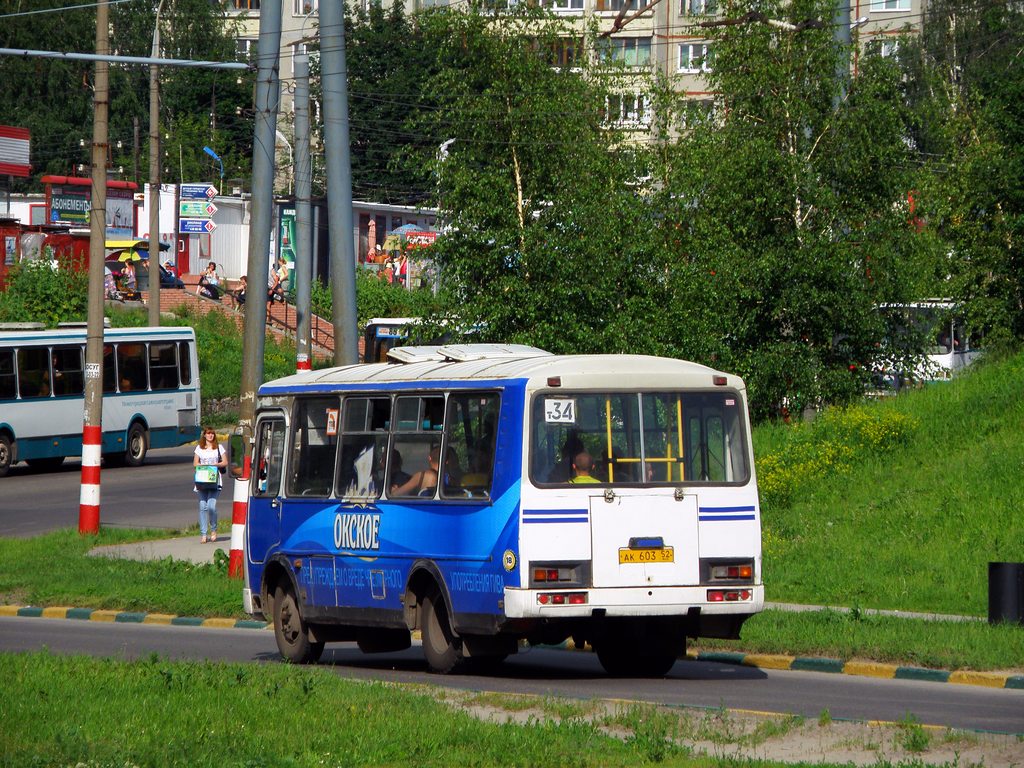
206, 476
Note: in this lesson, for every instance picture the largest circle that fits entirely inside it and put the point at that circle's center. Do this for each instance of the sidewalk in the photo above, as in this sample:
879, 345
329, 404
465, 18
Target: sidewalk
185, 548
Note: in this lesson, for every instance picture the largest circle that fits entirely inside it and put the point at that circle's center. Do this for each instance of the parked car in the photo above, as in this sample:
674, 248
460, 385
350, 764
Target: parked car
167, 279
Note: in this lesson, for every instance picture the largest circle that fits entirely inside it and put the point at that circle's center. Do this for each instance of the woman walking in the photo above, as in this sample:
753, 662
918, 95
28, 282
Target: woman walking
209, 461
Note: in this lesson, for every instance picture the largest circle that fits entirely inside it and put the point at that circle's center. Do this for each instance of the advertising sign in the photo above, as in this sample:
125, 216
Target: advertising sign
14, 151
286, 237
71, 204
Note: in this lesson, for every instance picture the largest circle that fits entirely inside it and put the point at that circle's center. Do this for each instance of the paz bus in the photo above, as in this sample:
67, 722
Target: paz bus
491, 495
150, 393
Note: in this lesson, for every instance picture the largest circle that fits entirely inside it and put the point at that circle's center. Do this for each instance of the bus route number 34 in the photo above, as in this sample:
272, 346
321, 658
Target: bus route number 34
559, 410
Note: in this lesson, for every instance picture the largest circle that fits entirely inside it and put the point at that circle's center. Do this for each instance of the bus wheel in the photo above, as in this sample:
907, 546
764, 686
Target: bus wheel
50, 462
290, 630
440, 644
5, 454
624, 655
138, 444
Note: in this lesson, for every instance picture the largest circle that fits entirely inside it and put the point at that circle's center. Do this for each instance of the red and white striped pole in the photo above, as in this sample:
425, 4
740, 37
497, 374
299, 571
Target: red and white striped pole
239, 511
302, 362
89, 500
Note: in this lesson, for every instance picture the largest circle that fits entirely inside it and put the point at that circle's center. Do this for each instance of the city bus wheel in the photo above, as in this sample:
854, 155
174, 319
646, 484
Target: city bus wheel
137, 445
622, 654
290, 630
50, 462
5, 454
441, 646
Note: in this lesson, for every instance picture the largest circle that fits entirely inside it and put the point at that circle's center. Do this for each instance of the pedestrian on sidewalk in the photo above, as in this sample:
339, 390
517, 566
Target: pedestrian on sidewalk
209, 453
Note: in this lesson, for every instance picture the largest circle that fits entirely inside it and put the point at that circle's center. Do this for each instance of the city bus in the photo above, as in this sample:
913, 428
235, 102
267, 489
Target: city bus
150, 393
927, 341
444, 491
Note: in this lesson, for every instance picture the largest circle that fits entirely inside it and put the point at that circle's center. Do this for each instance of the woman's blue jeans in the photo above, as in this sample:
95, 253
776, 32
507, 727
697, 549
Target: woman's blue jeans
208, 511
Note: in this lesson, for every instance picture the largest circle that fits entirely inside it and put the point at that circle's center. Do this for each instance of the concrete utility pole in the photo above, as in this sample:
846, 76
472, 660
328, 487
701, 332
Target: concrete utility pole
303, 231
92, 428
154, 177
268, 87
333, 79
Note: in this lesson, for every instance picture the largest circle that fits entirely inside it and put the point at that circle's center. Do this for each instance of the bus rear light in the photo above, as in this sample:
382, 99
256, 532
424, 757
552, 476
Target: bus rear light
719, 572
559, 574
728, 595
562, 598
719, 381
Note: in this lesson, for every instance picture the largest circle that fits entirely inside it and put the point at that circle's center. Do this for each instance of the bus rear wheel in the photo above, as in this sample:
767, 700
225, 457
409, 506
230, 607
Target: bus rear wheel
625, 653
6, 453
441, 646
137, 445
290, 630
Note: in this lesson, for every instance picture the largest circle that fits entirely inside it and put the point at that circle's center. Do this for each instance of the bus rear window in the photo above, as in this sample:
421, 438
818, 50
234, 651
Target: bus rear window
631, 438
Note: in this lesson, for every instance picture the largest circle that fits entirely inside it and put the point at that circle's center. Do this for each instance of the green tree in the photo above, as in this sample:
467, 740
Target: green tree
544, 231
786, 217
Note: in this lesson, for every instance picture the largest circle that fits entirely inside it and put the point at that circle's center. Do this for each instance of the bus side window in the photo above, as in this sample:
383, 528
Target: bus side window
269, 456
67, 371
313, 448
163, 366
365, 422
131, 367
470, 440
34, 372
418, 423
8, 388
109, 370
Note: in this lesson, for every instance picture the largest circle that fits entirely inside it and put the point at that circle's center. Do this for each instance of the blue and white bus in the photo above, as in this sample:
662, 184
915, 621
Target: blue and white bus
150, 393
487, 495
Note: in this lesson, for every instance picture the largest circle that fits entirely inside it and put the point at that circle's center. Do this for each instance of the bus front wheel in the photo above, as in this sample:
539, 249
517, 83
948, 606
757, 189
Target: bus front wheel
290, 630
6, 453
441, 646
137, 445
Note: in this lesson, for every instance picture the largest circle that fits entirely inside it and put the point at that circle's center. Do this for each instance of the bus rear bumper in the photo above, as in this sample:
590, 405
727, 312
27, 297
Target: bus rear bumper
631, 601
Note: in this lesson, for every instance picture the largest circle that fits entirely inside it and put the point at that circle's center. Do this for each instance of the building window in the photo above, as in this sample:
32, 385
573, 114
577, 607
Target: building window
245, 47
614, 6
297, 50
244, 5
628, 110
305, 7
564, 52
889, 49
698, 7
890, 5
630, 51
696, 112
694, 57
563, 6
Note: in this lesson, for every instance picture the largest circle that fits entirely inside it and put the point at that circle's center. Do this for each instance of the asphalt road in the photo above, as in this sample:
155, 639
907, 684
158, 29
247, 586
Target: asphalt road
548, 672
156, 495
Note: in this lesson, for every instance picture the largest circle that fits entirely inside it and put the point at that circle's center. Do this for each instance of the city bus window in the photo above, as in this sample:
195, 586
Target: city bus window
8, 388
314, 440
418, 424
131, 367
163, 366
109, 370
364, 442
34, 372
469, 440
663, 438
269, 457
184, 363
67, 371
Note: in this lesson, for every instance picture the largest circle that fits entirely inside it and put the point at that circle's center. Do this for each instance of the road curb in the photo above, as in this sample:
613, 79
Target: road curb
857, 668
757, 660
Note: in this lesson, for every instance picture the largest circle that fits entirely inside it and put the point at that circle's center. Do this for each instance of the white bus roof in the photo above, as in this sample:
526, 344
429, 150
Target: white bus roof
470, 362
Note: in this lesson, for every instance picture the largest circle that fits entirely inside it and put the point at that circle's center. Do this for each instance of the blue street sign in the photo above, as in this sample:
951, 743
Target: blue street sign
198, 191
196, 226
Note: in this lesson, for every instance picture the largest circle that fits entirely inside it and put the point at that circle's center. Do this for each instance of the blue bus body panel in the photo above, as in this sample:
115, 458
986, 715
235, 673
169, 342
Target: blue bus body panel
359, 555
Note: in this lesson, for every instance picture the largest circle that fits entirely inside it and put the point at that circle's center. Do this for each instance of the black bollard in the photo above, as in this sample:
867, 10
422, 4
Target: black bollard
1006, 593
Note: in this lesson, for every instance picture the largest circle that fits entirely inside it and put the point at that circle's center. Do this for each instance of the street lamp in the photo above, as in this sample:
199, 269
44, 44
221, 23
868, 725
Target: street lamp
216, 157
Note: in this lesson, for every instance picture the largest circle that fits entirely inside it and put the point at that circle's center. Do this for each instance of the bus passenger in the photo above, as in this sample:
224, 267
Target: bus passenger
582, 464
424, 482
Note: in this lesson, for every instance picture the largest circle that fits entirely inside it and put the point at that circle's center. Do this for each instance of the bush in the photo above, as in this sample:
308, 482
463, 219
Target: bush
37, 293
